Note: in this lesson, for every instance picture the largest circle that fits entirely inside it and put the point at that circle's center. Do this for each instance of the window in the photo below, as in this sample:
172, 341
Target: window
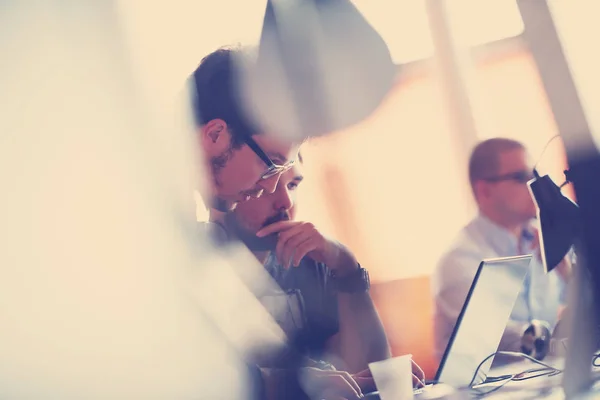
404, 25
511, 102
476, 22
399, 175
578, 28
168, 39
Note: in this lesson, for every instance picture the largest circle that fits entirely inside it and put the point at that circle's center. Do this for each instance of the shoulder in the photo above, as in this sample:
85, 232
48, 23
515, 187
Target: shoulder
464, 247
459, 261
214, 232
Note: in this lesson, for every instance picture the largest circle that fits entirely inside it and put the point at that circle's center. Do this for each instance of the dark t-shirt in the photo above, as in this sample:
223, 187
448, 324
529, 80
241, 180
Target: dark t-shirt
309, 282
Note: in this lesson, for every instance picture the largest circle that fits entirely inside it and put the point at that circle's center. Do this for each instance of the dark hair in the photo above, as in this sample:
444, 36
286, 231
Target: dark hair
216, 95
484, 162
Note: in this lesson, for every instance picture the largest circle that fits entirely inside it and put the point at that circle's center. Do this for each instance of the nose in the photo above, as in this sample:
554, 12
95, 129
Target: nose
270, 184
284, 200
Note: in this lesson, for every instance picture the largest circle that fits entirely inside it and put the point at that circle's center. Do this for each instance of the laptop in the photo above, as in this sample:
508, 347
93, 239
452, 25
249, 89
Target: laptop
481, 322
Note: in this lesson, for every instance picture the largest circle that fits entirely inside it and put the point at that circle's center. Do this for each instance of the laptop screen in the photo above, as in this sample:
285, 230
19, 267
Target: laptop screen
483, 318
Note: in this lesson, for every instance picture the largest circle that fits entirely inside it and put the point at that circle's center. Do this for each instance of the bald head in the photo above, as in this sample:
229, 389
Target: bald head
499, 170
485, 160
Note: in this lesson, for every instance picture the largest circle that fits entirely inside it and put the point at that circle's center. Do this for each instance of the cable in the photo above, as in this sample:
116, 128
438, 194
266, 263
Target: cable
481, 393
547, 370
512, 354
522, 376
533, 373
536, 173
542, 153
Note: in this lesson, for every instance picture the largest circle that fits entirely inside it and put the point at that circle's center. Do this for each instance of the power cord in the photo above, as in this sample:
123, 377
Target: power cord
536, 173
546, 370
543, 152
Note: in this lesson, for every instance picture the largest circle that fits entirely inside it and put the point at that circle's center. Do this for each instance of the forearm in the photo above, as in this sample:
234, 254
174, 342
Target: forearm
361, 337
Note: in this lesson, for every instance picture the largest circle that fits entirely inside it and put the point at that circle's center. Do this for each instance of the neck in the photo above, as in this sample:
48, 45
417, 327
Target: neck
516, 228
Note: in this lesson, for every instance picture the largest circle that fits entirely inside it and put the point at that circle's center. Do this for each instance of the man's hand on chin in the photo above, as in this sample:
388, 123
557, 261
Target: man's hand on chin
297, 239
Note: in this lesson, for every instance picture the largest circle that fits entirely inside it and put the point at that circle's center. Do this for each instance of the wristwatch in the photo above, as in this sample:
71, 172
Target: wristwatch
355, 282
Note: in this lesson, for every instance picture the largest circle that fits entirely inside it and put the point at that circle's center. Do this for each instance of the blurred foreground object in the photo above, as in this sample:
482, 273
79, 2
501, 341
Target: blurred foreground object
320, 67
559, 221
553, 57
98, 244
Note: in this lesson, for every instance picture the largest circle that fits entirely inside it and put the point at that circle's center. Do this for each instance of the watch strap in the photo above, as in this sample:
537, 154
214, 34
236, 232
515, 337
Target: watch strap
355, 282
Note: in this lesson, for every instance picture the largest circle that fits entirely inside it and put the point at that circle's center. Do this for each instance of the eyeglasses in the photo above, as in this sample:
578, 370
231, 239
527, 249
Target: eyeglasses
273, 169
518, 176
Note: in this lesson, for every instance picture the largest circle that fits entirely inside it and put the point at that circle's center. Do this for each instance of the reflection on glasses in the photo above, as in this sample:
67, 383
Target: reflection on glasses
273, 169
518, 176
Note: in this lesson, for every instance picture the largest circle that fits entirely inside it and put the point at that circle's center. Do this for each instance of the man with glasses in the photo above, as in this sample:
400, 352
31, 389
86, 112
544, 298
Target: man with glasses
243, 162
499, 170
301, 259
329, 315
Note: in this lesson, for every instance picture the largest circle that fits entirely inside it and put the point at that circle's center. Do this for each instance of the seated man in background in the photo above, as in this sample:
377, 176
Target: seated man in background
498, 172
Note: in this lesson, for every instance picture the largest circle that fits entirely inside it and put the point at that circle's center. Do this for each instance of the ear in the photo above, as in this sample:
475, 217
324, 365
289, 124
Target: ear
215, 137
482, 189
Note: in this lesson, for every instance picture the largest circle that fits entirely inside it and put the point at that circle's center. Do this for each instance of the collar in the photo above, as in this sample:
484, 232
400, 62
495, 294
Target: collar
500, 239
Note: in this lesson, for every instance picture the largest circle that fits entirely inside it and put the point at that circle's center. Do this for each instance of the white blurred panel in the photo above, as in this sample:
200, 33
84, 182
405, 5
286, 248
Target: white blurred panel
95, 230
169, 38
578, 29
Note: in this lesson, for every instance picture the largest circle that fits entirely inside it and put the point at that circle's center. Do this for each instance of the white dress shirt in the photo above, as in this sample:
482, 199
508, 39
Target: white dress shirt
540, 298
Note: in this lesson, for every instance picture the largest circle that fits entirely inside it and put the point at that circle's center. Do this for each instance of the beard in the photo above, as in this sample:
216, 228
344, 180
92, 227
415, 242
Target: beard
249, 238
222, 205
